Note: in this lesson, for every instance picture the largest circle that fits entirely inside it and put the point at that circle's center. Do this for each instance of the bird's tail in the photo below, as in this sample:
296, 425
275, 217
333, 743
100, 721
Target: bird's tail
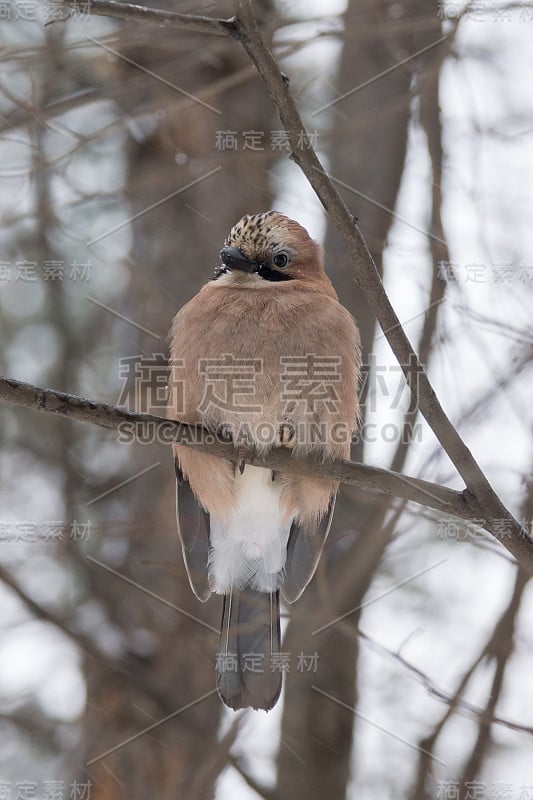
247, 671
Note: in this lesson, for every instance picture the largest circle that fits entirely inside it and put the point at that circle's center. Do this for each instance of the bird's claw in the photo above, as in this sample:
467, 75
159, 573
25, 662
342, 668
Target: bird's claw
287, 435
244, 454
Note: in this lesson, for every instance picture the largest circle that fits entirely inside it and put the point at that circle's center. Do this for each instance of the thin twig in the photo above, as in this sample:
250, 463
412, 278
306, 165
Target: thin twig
127, 667
484, 716
132, 12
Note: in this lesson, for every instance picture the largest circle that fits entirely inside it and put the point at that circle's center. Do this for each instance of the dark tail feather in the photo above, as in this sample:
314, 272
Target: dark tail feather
247, 672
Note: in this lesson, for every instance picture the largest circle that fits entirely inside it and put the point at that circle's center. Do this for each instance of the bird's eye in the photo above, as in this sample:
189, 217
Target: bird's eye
281, 260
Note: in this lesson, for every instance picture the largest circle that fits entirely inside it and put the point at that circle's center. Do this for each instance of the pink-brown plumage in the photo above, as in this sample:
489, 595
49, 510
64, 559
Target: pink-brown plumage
273, 318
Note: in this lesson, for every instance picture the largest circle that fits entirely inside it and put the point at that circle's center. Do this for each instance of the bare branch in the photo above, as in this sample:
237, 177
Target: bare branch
478, 488
133, 426
126, 667
44, 614
164, 19
367, 275
499, 647
484, 716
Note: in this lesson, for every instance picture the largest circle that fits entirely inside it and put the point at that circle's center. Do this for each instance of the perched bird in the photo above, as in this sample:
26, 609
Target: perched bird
265, 355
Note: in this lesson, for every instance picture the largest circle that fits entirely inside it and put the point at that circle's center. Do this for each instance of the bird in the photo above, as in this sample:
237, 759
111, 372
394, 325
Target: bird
264, 356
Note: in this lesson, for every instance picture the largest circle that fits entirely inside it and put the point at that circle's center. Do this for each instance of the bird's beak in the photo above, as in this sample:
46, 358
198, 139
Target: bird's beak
234, 259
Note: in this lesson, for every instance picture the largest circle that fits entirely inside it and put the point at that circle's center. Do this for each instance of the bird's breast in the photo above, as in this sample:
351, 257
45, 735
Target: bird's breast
247, 362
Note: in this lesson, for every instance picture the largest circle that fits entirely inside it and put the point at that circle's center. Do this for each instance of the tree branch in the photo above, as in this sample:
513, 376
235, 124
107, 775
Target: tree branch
366, 272
126, 667
368, 278
164, 19
133, 426
484, 716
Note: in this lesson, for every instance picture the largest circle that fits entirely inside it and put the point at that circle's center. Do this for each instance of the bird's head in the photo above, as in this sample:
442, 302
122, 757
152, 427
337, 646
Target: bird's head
263, 249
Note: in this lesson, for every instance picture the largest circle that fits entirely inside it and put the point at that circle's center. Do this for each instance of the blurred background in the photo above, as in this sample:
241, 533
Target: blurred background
127, 152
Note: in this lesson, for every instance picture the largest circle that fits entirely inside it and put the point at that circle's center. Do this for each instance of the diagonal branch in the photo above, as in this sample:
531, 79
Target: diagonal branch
127, 666
133, 426
485, 716
366, 273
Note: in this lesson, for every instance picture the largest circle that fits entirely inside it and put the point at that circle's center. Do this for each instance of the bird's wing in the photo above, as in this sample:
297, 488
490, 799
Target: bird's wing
304, 549
193, 530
